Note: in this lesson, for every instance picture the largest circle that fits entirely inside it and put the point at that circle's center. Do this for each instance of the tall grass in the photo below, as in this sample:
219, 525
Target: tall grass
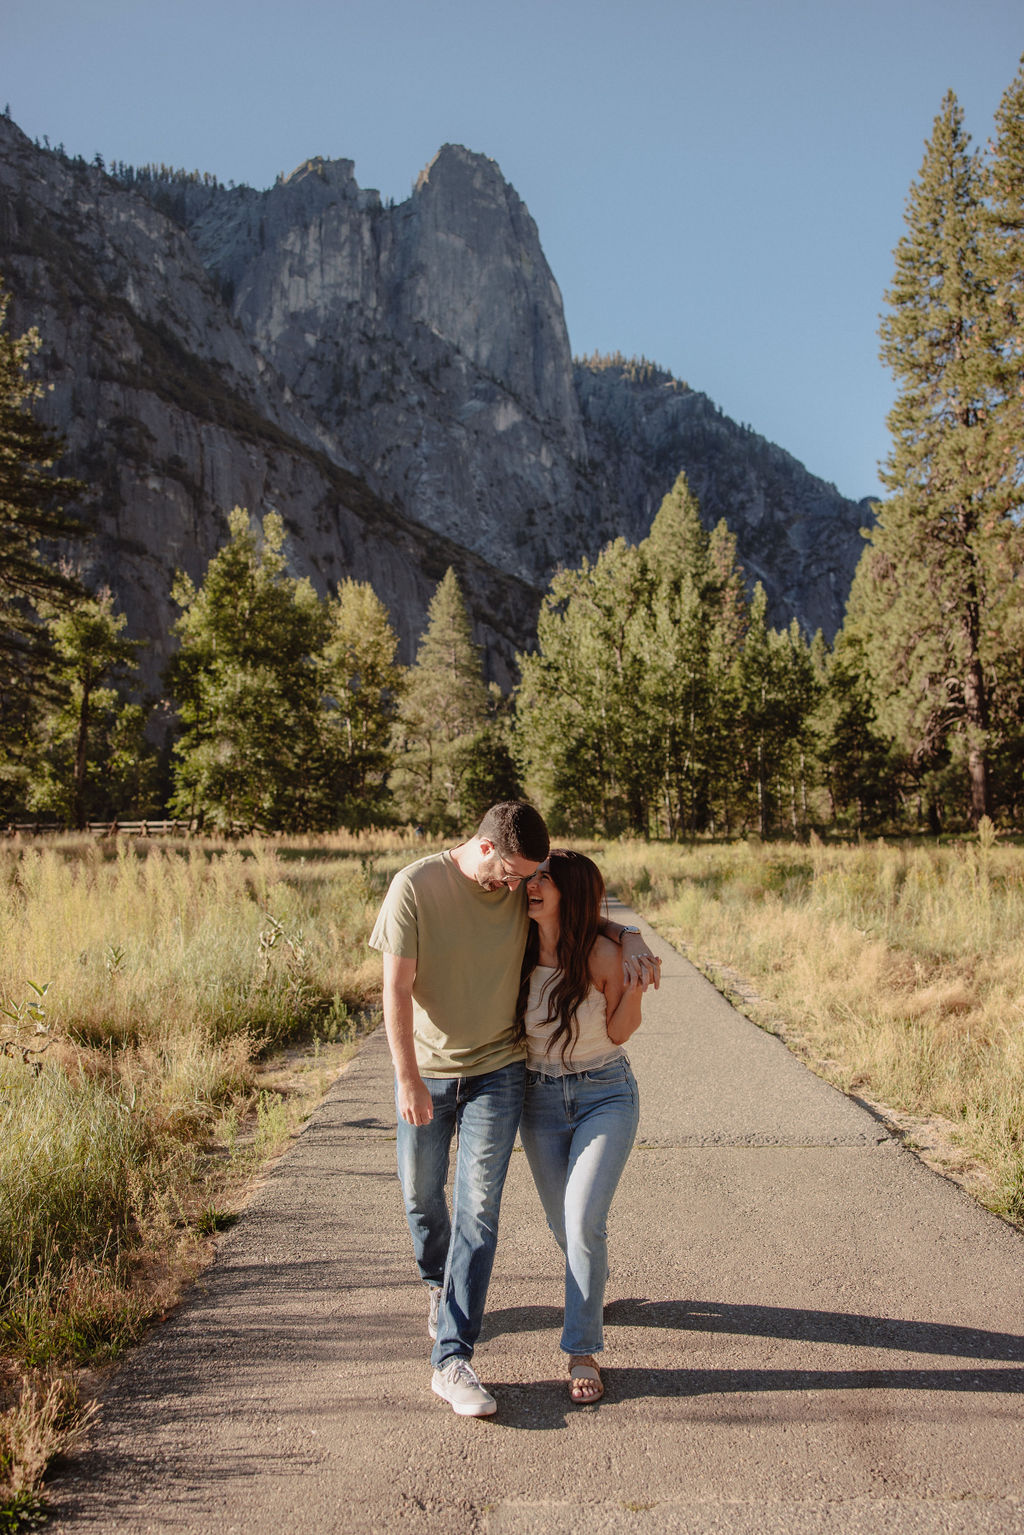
897, 970
143, 989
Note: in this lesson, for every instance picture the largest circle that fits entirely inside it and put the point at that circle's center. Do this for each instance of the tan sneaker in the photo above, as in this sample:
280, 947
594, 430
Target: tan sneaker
456, 1382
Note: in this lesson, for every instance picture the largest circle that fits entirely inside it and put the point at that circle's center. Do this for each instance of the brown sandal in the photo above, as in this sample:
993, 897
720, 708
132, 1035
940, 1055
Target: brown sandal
584, 1373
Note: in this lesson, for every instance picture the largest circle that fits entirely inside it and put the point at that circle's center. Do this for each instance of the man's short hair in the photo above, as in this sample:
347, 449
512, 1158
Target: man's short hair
516, 829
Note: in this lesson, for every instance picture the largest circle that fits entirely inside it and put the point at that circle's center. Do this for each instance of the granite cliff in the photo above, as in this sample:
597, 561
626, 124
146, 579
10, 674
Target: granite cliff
397, 381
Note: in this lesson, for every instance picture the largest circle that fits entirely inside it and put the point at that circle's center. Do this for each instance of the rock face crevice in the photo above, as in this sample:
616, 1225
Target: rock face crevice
397, 381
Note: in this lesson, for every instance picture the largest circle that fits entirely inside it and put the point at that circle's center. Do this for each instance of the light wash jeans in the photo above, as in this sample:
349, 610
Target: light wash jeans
577, 1132
457, 1251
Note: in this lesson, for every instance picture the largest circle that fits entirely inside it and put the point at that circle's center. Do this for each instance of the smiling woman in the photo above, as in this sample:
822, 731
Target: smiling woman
581, 1106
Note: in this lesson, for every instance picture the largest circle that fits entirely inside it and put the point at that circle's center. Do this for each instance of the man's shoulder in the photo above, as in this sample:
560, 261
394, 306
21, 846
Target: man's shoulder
424, 871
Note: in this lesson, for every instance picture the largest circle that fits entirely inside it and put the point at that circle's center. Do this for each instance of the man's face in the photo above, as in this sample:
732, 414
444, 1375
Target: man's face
494, 871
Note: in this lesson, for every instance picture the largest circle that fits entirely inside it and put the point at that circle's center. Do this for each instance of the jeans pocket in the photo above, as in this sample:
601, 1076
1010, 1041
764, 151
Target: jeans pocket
615, 1072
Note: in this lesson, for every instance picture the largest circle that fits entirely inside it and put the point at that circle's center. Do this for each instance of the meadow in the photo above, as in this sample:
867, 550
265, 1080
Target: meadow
171, 1013
895, 970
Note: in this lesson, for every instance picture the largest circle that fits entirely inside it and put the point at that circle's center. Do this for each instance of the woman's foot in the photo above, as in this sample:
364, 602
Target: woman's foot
584, 1379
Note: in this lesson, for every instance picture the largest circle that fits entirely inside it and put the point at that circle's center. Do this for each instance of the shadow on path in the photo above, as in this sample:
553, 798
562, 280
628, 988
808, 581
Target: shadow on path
849, 1328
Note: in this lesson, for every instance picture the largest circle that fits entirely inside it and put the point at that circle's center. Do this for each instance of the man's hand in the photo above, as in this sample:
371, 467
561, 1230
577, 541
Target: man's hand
640, 968
414, 1102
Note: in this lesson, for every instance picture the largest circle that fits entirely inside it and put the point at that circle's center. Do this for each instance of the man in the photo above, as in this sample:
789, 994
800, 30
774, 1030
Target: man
453, 931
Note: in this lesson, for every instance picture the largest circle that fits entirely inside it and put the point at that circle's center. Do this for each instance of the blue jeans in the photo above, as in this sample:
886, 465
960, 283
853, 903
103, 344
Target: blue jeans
457, 1251
577, 1133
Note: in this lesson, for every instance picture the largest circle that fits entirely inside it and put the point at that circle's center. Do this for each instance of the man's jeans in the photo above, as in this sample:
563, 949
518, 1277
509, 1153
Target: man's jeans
457, 1252
577, 1133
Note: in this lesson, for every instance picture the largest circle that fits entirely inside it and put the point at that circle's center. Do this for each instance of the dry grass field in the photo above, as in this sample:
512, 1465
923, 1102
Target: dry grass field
151, 994
895, 970
171, 1012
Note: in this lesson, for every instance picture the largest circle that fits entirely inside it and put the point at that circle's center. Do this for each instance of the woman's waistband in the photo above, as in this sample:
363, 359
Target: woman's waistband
554, 1066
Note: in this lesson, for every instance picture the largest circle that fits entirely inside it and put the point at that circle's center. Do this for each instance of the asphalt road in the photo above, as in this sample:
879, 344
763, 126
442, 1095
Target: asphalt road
808, 1333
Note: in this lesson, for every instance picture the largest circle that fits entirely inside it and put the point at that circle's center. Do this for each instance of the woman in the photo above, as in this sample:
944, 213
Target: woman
580, 1115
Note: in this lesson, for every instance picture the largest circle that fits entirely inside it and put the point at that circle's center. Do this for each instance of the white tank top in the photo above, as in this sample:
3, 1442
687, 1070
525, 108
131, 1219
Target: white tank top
592, 1047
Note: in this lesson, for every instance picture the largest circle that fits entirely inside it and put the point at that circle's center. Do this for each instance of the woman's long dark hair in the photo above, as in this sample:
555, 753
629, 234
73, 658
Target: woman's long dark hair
579, 883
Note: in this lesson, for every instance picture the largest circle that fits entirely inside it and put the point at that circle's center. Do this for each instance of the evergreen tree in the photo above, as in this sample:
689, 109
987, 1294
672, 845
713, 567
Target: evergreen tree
361, 682
729, 610
485, 763
1005, 265
630, 711
247, 685
775, 685
676, 552
859, 767
31, 518
676, 548
84, 739
443, 708
590, 727
919, 604
1005, 259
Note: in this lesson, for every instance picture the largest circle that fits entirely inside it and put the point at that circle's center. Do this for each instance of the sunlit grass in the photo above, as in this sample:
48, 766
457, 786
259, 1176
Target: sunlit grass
147, 987
897, 970
145, 990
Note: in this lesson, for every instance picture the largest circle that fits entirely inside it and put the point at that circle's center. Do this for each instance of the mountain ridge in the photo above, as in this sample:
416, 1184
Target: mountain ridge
395, 379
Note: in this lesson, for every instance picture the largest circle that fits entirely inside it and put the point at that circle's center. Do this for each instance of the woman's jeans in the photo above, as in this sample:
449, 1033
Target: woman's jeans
577, 1132
457, 1251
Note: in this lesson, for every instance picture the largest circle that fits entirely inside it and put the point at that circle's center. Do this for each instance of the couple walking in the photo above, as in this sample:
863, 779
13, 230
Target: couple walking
507, 999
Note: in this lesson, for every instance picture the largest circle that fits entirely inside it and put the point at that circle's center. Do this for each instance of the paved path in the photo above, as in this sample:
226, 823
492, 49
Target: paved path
809, 1333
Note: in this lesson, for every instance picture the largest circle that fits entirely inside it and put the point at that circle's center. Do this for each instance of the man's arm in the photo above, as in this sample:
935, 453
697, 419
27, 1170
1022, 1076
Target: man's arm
639, 966
414, 1101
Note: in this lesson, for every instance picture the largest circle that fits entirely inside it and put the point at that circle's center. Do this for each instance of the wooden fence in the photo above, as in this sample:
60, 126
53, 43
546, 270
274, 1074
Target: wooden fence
119, 828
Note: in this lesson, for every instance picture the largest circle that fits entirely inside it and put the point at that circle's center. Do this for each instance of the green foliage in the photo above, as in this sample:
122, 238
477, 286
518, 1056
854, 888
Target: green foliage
450, 761
859, 766
246, 683
360, 682
31, 518
1004, 259
935, 612
285, 701
657, 700
92, 759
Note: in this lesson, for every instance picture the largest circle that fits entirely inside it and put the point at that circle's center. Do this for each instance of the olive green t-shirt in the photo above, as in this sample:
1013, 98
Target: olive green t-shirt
468, 945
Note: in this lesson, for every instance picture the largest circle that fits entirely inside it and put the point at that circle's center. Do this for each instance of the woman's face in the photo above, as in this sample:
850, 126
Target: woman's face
543, 895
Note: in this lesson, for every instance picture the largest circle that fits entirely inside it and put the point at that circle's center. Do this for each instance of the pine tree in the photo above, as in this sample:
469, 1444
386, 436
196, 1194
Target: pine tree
676, 548
676, 552
919, 601
247, 684
776, 693
80, 767
443, 707
1004, 252
361, 682
589, 722
32, 499
858, 765
1005, 257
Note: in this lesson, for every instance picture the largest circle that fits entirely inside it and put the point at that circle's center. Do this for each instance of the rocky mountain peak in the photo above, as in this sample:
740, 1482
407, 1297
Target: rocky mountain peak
397, 381
339, 174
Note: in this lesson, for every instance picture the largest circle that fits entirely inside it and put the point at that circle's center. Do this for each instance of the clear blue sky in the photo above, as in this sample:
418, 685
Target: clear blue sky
718, 184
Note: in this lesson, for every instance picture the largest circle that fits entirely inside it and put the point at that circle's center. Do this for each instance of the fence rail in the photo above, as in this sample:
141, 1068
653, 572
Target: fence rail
120, 828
